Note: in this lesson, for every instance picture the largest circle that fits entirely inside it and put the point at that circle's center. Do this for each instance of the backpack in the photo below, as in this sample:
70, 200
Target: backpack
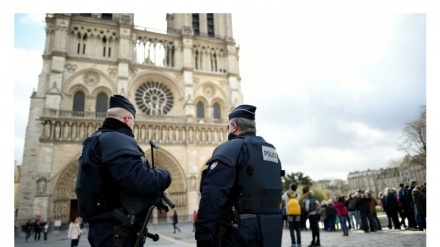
312, 205
293, 207
88, 187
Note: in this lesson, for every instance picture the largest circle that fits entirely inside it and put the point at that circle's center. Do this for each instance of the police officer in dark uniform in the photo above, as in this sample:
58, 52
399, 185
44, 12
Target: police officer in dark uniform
241, 189
114, 179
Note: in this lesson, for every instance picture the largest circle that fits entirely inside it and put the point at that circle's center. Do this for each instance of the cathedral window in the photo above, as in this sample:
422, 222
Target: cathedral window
217, 113
210, 23
101, 103
106, 49
200, 110
154, 98
78, 103
82, 39
196, 24
107, 16
104, 44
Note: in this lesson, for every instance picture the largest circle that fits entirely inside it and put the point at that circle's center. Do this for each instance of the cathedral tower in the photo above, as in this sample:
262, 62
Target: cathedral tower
183, 83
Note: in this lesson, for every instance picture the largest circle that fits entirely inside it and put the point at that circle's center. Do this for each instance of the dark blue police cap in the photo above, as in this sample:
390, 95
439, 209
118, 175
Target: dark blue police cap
122, 102
243, 111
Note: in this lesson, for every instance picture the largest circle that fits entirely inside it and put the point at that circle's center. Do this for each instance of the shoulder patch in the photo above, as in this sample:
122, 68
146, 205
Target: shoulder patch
213, 165
269, 154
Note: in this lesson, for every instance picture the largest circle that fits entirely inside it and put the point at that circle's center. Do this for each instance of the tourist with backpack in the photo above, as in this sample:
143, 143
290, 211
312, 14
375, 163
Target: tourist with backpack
293, 211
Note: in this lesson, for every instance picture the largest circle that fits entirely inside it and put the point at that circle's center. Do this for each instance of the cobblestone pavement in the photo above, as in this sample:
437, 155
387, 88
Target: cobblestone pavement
184, 238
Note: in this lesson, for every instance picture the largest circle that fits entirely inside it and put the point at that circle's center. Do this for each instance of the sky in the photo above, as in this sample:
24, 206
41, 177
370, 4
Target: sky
333, 91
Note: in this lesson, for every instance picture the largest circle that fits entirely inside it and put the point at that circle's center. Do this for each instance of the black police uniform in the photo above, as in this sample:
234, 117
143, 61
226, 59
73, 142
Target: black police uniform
243, 173
128, 185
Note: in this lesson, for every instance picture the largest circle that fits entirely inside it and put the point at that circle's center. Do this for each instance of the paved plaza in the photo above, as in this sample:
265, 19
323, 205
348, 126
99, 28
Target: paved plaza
386, 238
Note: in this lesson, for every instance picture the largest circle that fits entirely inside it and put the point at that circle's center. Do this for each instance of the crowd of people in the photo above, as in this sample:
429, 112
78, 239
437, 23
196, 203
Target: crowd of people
405, 209
37, 227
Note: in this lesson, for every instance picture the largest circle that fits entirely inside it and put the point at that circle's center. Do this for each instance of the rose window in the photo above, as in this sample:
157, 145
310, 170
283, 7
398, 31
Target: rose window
154, 98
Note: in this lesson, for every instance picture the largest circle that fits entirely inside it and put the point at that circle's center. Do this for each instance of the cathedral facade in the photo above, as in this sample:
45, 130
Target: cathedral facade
183, 82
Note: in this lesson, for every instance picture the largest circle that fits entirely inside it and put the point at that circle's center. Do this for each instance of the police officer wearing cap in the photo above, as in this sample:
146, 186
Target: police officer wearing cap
114, 179
241, 189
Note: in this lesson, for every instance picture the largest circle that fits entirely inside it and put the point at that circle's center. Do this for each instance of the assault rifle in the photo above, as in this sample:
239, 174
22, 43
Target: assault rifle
163, 204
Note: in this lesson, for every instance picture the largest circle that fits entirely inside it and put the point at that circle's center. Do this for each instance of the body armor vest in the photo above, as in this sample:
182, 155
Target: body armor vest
258, 183
93, 198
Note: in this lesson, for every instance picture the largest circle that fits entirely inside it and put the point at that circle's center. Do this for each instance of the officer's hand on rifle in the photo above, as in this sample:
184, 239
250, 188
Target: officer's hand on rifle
204, 243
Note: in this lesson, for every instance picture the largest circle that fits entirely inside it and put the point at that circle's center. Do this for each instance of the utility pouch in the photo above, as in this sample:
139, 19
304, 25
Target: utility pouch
120, 235
229, 218
122, 230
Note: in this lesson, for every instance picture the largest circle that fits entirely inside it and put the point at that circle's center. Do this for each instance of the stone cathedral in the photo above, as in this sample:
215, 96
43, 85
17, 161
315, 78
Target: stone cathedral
183, 82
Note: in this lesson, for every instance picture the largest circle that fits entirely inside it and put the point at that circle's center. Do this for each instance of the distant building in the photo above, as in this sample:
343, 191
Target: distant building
325, 183
377, 180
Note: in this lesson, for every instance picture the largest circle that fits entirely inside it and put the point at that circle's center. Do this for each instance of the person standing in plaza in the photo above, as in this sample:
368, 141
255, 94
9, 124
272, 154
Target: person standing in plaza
331, 216
353, 214
412, 223
241, 189
194, 220
74, 232
363, 204
391, 207
37, 230
46, 230
342, 212
373, 210
382, 196
313, 209
346, 205
175, 222
115, 181
402, 204
419, 198
323, 217
293, 211
304, 216
27, 228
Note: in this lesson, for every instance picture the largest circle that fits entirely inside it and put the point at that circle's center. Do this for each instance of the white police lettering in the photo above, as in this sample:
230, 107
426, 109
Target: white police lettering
269, 154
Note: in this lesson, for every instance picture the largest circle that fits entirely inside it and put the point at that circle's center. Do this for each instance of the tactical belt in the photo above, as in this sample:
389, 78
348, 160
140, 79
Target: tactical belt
247, 216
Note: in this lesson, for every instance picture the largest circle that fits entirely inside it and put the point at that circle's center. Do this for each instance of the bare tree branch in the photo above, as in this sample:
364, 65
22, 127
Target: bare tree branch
414, 139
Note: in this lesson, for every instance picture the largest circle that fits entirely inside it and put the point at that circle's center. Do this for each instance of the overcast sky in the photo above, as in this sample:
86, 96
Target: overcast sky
333, 91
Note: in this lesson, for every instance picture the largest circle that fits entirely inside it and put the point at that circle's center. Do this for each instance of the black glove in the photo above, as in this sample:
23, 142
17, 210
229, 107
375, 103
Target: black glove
166, 176
204, 243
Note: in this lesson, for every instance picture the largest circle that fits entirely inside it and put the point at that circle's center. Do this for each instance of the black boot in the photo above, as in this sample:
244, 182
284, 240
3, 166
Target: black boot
318, 243
312, 244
